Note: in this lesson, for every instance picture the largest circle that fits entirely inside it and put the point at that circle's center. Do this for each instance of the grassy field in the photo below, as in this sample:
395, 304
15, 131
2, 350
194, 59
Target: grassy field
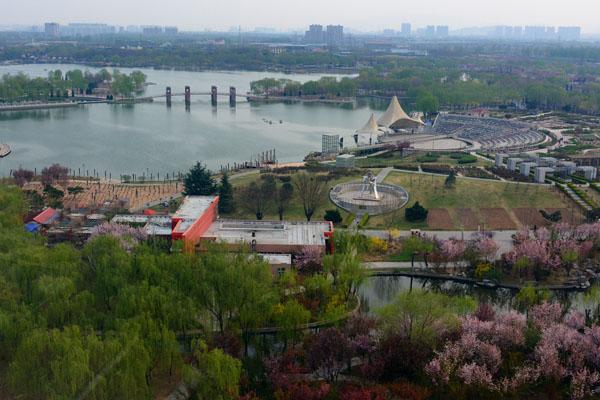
395, 159
487, 202
294, 212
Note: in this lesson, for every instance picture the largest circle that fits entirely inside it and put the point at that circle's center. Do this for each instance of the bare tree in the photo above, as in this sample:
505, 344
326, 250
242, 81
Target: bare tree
253, 200
310, 190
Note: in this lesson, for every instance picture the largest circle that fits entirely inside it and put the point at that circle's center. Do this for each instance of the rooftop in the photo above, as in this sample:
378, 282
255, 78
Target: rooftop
193, 207
269, 232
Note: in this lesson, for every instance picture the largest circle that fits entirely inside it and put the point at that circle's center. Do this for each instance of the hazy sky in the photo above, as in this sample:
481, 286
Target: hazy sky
363, 14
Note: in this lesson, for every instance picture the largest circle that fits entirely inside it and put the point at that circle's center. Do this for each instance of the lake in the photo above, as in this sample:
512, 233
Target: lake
378, 291
126, 139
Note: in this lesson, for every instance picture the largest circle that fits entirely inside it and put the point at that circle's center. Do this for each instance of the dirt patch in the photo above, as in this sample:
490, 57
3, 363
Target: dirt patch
530, 216
439, 219
114, 195
497, 219
468, 219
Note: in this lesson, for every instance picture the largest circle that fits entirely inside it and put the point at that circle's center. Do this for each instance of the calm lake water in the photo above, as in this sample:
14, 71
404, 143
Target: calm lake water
152, 138
379, 291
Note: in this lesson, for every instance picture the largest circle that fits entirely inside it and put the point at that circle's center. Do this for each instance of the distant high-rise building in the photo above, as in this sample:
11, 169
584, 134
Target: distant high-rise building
84, 29
334, 34
171, 30
499, 31
569, 33
51, 29
133, 29
152, 30
442, 30
314, 34
550, 33
534, 32
430, 30
517, 32
406, 29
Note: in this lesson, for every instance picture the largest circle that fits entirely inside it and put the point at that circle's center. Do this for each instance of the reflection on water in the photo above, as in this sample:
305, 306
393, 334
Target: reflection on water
379, 291
126, 139
38, 115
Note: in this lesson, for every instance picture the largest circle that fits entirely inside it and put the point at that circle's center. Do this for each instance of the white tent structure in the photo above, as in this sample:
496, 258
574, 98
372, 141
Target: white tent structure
370, 127
369, 133
396, 118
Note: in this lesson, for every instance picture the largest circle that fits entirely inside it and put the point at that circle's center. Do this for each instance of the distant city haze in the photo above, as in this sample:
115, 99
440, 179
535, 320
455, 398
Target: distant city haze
373, 15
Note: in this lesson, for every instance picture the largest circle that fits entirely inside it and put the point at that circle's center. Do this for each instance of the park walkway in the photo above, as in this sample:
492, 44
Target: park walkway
383, 174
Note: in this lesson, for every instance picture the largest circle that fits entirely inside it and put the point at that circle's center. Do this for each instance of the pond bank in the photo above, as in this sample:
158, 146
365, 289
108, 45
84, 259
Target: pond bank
391, 271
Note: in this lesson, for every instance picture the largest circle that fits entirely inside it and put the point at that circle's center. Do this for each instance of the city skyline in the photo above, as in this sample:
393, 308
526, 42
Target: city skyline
198, 16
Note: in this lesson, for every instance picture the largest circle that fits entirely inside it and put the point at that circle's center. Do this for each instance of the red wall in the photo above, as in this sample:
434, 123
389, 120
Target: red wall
329, 235
193, 234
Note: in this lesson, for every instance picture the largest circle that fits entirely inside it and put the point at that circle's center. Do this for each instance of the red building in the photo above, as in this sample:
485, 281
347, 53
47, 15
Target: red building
197, 219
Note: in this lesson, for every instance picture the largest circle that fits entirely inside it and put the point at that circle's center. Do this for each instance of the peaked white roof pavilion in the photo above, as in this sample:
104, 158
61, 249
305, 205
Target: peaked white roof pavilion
396, 117
370, 127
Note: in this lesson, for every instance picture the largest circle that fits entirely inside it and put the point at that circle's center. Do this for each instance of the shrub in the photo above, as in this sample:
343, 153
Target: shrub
428, 158
416, 213
378, 245
363, 220
467, 159
333, 216
483, 270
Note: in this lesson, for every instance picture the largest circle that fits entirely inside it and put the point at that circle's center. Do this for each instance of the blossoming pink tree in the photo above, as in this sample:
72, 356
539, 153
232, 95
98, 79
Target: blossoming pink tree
567, 352
128, 236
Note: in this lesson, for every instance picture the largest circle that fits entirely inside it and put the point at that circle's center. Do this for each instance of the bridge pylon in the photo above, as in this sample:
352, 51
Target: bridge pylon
188, 96
232, 97
213, 96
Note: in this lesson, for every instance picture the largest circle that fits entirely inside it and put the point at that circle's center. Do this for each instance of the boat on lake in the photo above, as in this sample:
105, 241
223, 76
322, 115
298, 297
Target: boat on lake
4, 150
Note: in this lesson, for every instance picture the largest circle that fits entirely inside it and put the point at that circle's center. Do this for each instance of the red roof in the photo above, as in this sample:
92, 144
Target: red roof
148, 211
46, 217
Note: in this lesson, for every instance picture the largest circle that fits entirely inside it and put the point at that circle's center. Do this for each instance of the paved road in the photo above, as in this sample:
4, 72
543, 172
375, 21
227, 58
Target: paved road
503, 238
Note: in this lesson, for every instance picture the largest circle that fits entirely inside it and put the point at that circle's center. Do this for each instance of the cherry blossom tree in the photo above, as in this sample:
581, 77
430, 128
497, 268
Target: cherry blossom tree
128, 236
309, 260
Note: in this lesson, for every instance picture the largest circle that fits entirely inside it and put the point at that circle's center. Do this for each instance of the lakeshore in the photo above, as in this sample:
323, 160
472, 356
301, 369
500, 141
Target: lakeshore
146, 137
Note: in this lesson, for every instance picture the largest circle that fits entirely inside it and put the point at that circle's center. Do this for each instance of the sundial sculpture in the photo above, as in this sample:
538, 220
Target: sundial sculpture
369, 188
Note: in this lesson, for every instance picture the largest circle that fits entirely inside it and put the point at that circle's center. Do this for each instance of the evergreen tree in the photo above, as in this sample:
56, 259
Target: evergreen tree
450, 180
416, 213
199, 182
226, 205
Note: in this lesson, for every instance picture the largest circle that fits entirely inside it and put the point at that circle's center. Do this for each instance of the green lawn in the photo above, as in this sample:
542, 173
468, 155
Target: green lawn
295, 211
431, 192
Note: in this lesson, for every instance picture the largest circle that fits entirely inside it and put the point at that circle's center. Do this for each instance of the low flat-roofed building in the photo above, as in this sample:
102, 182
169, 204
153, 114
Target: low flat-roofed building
588, 172
345, 161
525, 167
193, 218
512, 163
568, 166
280, 263
499, 161
154, 225
197, 221
272, 237
541, 172
547, 161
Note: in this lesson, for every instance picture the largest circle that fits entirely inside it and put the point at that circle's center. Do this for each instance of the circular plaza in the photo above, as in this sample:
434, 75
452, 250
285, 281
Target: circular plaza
368, 197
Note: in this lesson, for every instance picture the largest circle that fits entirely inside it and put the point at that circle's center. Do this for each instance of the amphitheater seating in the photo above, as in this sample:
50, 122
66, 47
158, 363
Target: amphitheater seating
490, 133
